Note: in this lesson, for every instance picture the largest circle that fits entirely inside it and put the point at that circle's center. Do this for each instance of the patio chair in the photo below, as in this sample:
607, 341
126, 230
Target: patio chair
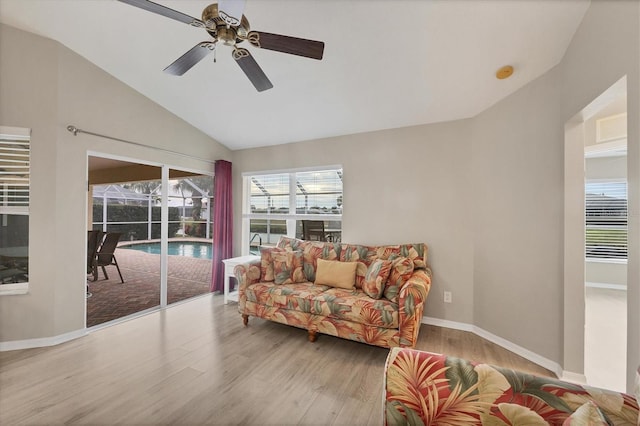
313, 230
94, 238
12, 275
13, 270
106, 255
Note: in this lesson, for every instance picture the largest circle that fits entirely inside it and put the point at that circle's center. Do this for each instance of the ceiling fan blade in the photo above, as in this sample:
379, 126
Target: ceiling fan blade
231, 11
164, 11
189, 59
285, 44
252, 69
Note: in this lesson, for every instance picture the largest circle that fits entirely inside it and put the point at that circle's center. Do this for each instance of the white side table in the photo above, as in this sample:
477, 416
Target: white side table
229, 264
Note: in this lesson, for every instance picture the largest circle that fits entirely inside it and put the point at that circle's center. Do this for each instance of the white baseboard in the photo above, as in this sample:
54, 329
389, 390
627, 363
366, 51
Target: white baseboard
510, 346
447, 324
41, 341
572, 377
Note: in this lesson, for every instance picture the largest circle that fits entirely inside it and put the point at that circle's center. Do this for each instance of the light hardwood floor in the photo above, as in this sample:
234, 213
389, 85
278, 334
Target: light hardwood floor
196, 364
606, 338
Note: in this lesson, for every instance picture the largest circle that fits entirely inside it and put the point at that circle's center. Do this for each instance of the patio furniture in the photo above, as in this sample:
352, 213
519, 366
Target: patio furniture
313, 230
106, 255
14, 264
12, 275
94, 238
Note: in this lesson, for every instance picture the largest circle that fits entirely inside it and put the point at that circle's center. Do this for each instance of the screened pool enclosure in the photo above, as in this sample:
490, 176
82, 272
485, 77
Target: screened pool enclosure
133, 209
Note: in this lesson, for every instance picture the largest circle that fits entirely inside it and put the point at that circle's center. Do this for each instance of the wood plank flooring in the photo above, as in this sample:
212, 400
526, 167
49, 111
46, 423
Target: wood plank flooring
196, 364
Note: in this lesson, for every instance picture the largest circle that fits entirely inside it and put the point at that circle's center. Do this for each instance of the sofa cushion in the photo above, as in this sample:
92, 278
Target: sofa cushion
588, 414
358, 253
266, 262
336, 274
416, 252
376, 277
356, 306
297, 296
287, 267
314, 250
289, 243
401, 270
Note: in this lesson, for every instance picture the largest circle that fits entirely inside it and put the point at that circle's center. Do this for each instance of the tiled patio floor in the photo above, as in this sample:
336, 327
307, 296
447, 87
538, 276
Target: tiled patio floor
110, 299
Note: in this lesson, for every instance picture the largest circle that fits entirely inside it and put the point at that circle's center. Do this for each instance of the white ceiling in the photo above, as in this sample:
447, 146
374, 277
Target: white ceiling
387, 63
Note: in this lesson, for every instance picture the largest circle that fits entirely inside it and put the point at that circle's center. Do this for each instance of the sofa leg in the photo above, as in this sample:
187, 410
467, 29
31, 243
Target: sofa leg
312, 336
245, 319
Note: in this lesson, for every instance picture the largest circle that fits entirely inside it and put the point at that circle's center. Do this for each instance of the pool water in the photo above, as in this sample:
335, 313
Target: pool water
176, 248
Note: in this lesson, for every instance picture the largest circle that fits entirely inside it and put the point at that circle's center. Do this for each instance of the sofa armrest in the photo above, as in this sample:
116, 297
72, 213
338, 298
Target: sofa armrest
411, 305
246, 274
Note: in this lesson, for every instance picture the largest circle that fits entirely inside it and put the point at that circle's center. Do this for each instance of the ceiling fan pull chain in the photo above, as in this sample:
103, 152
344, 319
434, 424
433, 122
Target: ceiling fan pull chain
215, 53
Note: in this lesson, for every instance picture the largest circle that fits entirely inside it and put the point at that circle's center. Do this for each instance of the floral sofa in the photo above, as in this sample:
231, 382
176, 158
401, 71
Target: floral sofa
423, 388
383, 308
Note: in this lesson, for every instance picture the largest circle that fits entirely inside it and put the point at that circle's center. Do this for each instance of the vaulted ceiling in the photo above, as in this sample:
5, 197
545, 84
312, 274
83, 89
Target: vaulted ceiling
387, 63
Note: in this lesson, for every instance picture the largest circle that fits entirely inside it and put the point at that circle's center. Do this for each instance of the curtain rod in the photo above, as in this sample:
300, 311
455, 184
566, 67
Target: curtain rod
73, 129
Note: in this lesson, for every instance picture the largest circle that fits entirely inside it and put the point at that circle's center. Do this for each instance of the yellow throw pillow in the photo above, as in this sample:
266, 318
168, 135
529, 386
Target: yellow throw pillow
336, 274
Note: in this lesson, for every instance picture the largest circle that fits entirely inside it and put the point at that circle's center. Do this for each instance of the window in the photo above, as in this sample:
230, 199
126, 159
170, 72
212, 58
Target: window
606, 220
278, 203
14, 210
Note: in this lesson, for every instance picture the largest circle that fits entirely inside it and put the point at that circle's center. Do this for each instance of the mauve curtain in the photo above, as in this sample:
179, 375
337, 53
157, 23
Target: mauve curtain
222, 222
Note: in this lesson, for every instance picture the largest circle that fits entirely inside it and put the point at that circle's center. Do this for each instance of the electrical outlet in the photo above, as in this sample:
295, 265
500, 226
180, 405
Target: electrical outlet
447, 297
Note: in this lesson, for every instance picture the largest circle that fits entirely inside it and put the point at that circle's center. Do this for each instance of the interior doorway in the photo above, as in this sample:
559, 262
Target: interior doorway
606, 217
162, 217
595, 276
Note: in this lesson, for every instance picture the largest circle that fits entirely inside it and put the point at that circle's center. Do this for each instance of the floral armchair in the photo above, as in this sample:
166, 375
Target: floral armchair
423, 388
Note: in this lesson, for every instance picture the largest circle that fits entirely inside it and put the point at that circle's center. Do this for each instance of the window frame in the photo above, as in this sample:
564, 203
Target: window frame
24, 134
289, 218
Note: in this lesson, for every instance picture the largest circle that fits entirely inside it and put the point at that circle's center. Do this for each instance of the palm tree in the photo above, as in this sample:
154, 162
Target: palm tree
149, 187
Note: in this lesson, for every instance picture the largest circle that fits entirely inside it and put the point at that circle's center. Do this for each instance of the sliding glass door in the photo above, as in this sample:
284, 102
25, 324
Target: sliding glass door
158, 225
189, 234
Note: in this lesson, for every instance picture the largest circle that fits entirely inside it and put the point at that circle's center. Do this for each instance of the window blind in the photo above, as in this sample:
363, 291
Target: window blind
319, 192
14, 173
606, 220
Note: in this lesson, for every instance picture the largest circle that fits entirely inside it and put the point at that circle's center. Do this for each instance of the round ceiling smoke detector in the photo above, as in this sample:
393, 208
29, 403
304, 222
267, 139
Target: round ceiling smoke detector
504, 72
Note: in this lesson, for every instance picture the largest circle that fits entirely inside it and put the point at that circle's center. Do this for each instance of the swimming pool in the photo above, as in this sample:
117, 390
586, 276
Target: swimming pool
176, 248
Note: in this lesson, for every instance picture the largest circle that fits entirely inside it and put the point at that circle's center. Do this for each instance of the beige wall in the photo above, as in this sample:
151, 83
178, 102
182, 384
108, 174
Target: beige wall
46, 87
400, 186
518, 220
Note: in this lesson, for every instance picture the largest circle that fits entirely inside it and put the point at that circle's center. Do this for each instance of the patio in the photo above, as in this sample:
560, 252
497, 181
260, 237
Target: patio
187, 277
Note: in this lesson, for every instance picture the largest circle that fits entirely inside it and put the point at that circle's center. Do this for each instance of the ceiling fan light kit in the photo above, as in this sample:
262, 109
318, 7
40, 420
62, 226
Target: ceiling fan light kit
225, 23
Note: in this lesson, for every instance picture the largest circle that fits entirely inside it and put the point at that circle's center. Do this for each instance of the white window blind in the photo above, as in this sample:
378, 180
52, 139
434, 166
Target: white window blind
270, 193
606, 220
319, 192
280, 203
14, 173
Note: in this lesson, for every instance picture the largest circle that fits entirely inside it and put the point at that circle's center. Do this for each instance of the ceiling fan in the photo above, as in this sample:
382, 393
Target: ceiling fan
225, 23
